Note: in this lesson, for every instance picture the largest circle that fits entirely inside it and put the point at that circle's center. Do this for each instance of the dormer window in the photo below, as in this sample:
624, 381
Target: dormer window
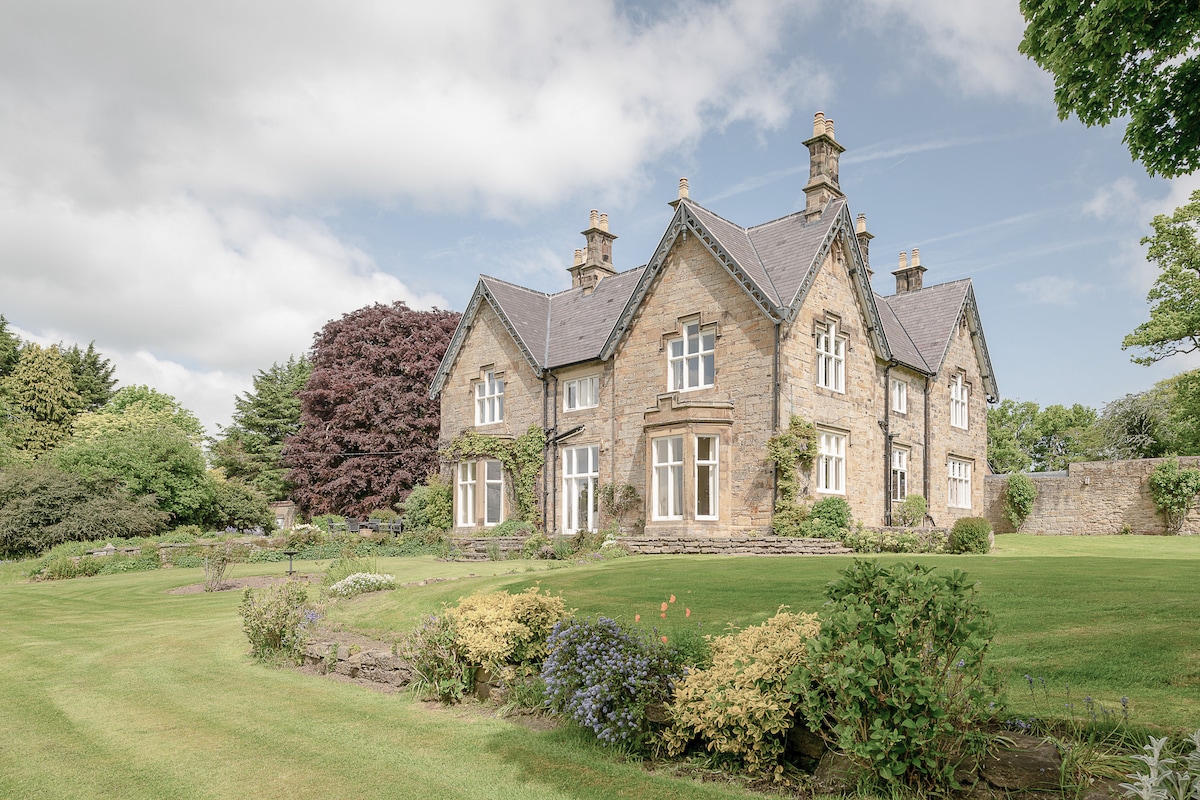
831, 357
690, 359
489, 399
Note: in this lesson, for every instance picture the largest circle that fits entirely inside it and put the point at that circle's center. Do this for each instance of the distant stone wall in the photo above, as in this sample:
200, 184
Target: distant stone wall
733, 545
1089, 498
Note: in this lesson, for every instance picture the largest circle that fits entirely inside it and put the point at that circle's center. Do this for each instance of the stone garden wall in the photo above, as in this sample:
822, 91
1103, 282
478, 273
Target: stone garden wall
1089, 498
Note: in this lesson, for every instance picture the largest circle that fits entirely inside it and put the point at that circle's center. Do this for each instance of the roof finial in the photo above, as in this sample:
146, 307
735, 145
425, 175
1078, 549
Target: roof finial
683, 188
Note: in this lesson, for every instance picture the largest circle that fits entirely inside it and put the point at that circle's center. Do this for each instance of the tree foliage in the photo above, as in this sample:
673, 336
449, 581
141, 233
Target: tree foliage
369, 394
41, 398
1174, 324
251, 449
136, 408
93, 375
10, 348
1025, 438
1174, 490
1125, 58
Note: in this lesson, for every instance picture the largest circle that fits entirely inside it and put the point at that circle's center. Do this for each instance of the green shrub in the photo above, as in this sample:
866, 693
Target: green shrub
1019, 493
430, 506
833, 510
236, 505
537, 546
817, 528
347, 564
275, 620
790, 521
928, 540
499, 628
324, 521
511, 527
895, 679
911, 511
440, 671
741, 706
184, 534
603, 675
120, 562
1174, 491
384, 515
970, 535
305, 534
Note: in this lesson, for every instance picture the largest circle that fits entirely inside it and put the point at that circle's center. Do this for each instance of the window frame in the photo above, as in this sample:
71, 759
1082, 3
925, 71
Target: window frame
465, 494
713, 467
899, 475
488, 482
960, 396
593, 383
834, 458
899, 396
831, 347
489, 398
701, 356
571, 485
672, 471
958, 482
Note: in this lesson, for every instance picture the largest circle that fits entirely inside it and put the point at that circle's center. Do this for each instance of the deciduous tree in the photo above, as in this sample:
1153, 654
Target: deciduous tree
1125, 58
368, 428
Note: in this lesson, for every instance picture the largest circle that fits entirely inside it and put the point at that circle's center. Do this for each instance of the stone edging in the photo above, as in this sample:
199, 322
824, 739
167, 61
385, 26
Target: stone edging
737, 544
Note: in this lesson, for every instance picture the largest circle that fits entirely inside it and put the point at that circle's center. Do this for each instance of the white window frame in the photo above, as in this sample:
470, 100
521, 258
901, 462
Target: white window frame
831, 357
899, 397
960, 393
958, 482
711, 468
581, 393
489, 399
580, 485
900, 459
691, 359
667, 477
493, 476
465, 495
831, 462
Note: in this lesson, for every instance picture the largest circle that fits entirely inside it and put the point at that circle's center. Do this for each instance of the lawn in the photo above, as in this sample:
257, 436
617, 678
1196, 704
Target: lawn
114, 688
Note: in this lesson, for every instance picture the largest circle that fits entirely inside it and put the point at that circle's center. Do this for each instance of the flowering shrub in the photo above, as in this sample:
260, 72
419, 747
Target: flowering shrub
603, 675
439, 668
361, 583
741, 705
276, 620
925, 540
501, 628
895, 679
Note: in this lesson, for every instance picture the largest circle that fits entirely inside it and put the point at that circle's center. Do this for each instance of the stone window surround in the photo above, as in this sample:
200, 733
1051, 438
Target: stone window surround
465, 473
689, 433
679, 333
839, 463
471, 506
594, 388
960, 401
488, 404
899, 396
569, 477
958, 481
901, 458
835, 357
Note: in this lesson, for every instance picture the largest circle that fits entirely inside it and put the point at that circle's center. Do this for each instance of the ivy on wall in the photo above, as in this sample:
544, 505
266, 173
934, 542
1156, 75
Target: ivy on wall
791, 450
521, 457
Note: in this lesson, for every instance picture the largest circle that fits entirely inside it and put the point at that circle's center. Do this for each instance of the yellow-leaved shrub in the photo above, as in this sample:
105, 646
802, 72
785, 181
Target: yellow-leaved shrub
500, 628
741, 706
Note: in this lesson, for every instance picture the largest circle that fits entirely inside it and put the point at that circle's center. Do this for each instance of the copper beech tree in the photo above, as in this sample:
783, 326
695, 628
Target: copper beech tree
368, 430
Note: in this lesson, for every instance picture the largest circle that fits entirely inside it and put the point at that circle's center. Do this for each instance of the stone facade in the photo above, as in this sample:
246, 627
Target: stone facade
1089, 498
743, 315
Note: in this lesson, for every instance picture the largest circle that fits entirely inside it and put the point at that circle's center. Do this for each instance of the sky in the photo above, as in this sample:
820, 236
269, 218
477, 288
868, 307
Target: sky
199, 188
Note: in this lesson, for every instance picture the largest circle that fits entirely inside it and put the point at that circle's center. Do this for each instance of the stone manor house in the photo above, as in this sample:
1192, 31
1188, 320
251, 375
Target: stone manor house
671, 377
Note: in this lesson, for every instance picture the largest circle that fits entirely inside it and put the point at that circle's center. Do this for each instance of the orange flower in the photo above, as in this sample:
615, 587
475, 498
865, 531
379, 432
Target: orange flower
664, 607
663, 615
672, 598
687, 612
664, 640
637, 617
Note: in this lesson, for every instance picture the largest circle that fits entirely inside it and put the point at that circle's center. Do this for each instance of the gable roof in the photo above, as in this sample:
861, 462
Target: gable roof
775, 263
928, 317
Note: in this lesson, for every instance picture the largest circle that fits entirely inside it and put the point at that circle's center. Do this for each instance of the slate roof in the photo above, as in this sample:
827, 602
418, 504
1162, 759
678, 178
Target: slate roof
775, 263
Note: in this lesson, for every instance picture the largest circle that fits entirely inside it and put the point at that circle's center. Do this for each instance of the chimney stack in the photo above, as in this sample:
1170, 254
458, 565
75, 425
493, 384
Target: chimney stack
593, 263
909, 276
864, 243
683, 188
823, 154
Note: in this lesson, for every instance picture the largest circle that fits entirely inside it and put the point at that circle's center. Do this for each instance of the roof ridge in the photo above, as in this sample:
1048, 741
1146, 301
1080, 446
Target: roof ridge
513, 285
793, 215
715, 214
569, 289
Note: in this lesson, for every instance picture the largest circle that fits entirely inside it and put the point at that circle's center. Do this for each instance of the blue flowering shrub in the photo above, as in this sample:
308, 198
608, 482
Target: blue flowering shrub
895, 679
603, 675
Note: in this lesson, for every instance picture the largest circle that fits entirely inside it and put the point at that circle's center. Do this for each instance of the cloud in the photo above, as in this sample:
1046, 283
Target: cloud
976, 39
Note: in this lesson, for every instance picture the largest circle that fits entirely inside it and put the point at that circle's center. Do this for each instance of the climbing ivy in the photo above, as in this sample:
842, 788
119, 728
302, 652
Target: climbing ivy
791, 450
522, 458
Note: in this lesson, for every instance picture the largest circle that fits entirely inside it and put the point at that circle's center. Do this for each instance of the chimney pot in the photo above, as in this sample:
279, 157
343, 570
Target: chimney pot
860, 225
683, 188
829, 128
604, 222
595, 219
916, 259
819, 123
903, 259
578, 256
